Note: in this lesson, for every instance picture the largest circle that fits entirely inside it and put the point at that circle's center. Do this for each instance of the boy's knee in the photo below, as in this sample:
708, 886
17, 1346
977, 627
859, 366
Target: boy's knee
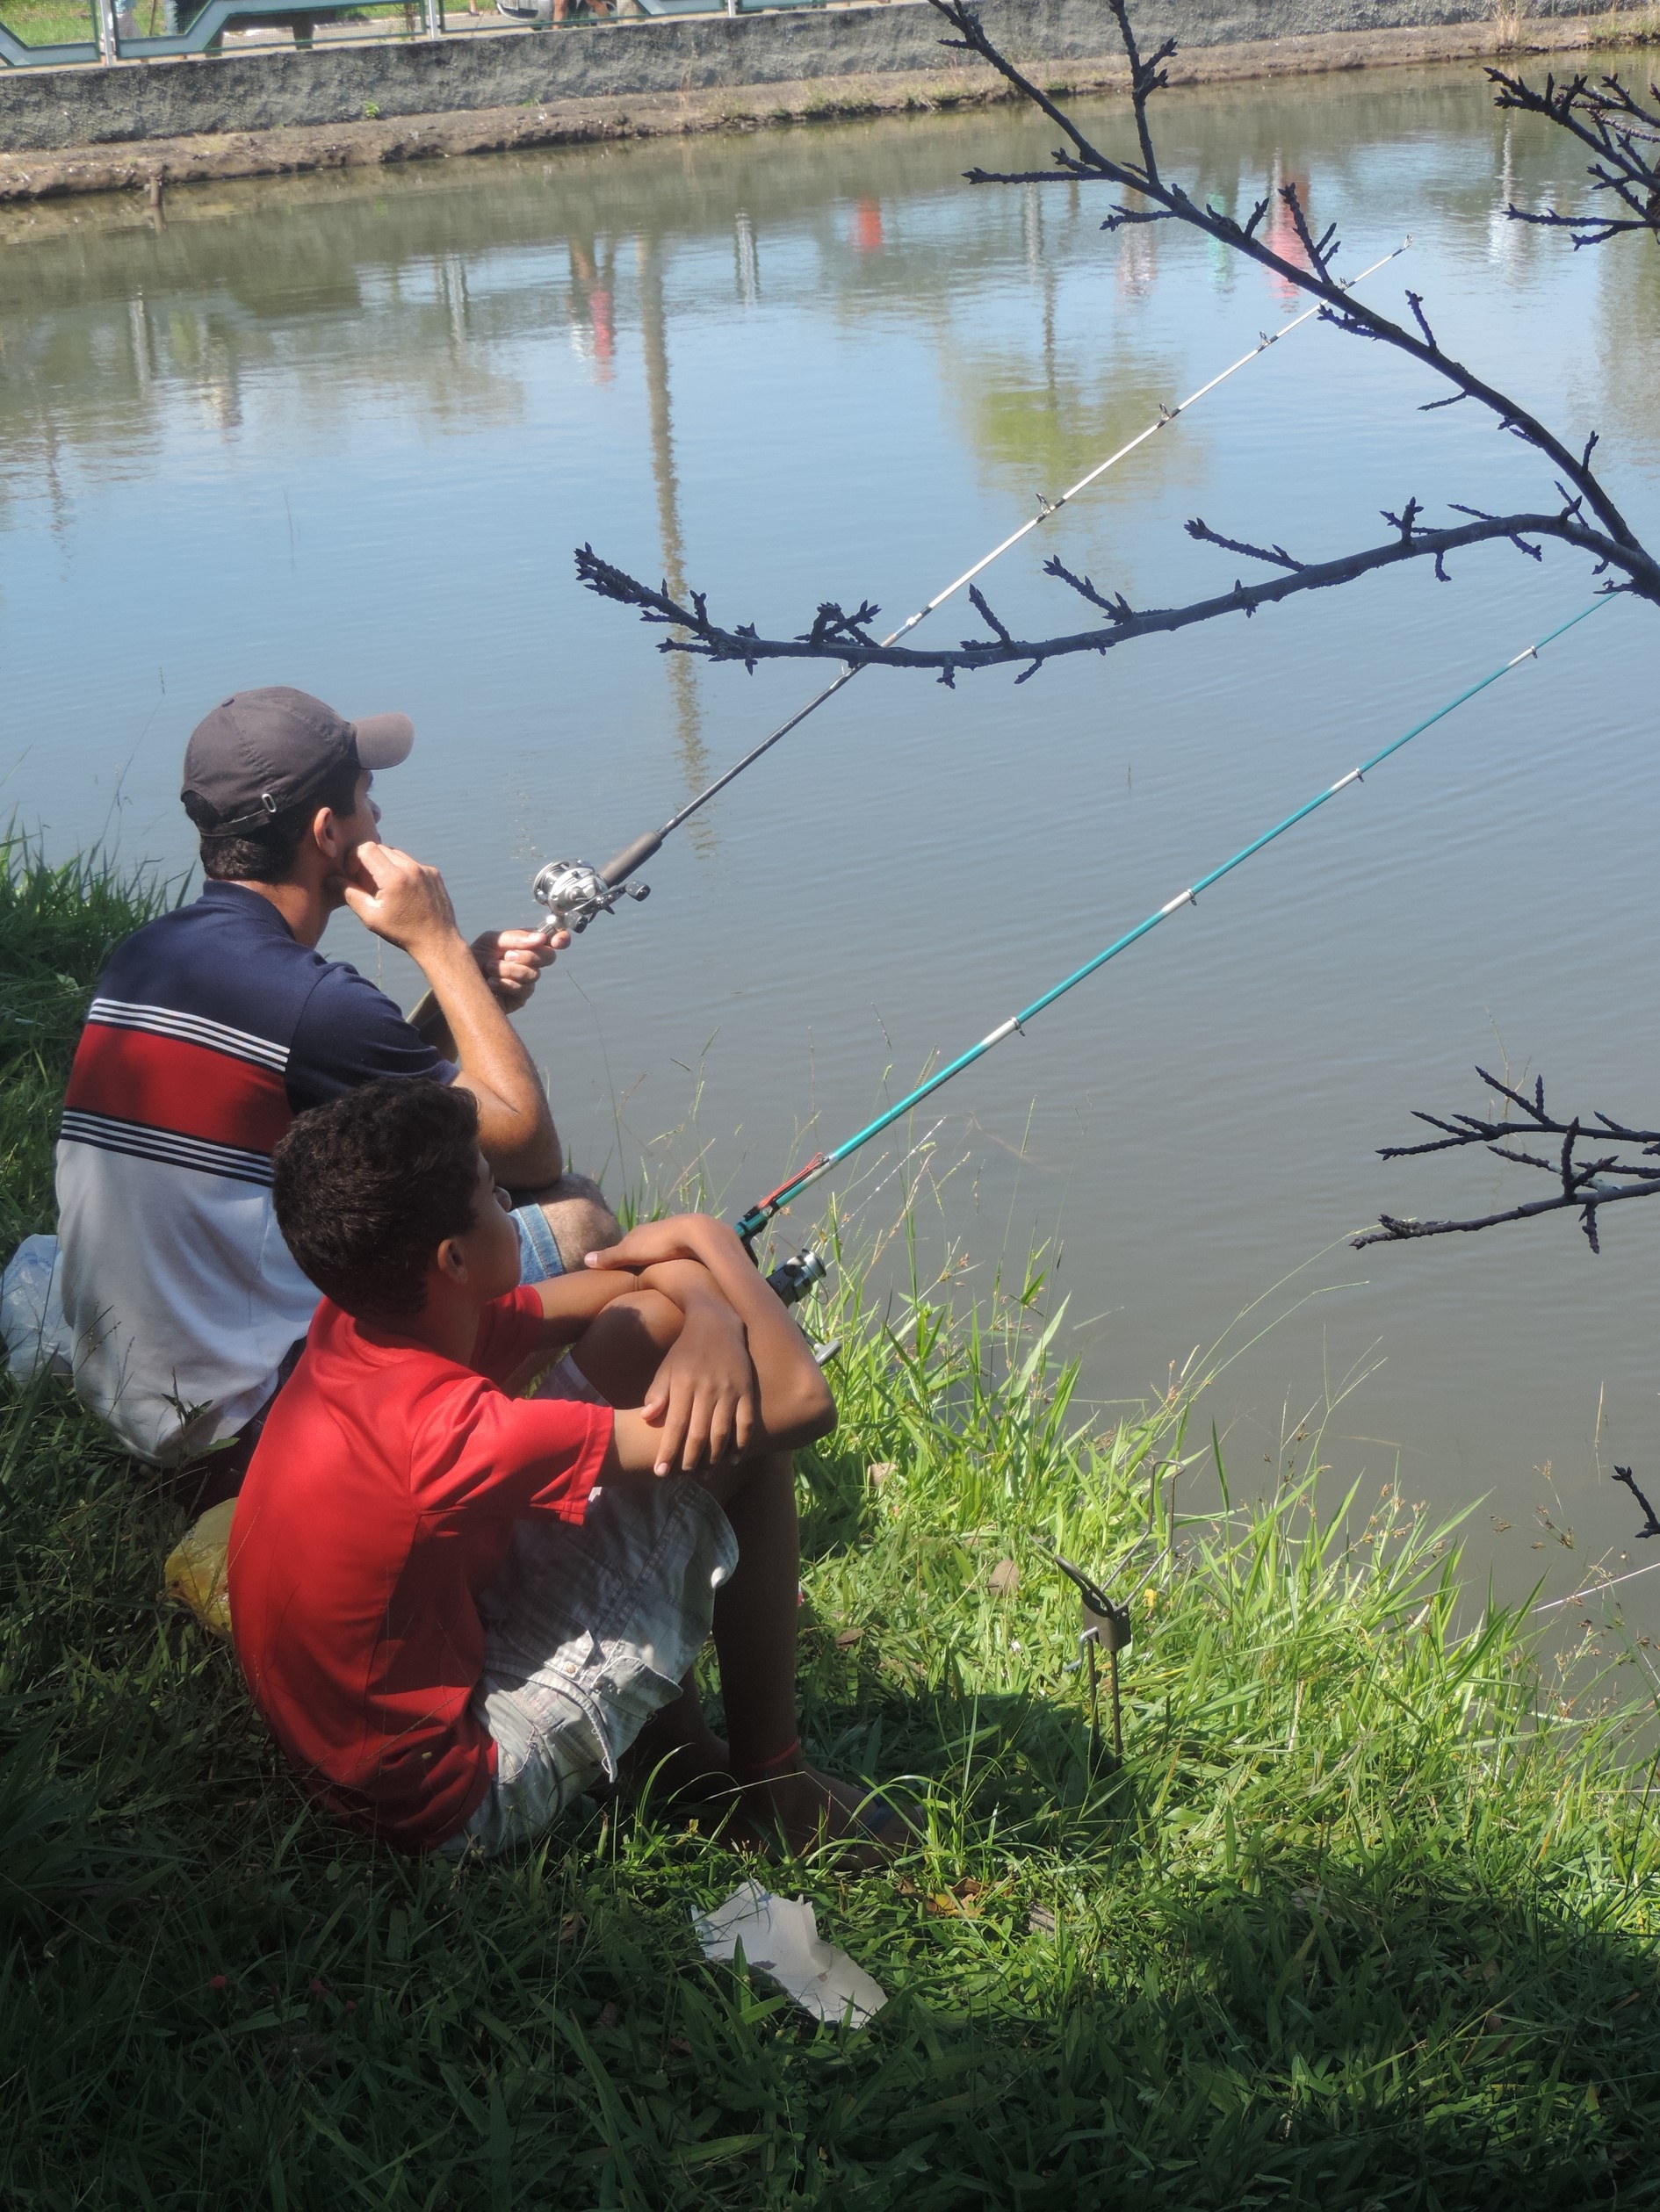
580, 1219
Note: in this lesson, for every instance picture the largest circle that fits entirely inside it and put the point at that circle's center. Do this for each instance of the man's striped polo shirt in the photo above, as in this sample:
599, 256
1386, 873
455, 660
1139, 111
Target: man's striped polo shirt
211, 1029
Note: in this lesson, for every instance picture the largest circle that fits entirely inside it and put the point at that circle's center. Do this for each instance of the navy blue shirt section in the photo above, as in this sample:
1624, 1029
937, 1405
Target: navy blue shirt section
231, 958
349, 1033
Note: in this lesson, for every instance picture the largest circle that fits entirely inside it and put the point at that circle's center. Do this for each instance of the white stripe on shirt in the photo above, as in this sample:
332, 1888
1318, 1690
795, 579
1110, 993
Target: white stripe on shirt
239, 1044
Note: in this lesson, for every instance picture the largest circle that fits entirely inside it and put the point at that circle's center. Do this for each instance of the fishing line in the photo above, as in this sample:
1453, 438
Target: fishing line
573, 893
793, 1279
1595, 1589
845, 1219
756, 1219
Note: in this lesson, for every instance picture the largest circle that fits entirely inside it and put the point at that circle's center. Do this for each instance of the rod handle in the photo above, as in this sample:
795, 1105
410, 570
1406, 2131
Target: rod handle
617, 870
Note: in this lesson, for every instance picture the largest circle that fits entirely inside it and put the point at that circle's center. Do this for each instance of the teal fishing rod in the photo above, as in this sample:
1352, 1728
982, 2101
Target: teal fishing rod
793, 1277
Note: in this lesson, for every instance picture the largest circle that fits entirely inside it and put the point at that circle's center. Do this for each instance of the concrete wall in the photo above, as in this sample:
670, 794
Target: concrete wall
48, 109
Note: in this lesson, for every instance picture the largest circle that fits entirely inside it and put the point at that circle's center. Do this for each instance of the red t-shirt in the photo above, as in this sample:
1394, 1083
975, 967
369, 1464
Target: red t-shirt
378, 1505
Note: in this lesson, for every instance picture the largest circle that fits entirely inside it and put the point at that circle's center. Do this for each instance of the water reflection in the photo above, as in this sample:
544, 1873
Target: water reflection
344, 431
1628, 351
385, 270
694, 757
593, 313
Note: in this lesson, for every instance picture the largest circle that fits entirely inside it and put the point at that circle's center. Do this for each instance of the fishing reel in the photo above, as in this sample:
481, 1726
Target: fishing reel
790, 1283
792, 1278
573, 893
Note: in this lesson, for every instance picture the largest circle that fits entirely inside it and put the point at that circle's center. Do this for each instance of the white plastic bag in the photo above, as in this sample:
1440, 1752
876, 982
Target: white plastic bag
31, 1312
780, 1936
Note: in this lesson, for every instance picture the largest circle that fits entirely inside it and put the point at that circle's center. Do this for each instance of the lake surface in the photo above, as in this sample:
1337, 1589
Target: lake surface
345, 432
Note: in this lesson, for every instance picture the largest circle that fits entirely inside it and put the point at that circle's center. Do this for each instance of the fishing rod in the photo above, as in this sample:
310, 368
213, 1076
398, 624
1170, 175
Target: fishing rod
573, 893
794, 1277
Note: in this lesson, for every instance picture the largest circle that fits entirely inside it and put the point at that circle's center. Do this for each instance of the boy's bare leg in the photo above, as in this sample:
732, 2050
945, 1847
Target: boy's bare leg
619, 1353
756, 1615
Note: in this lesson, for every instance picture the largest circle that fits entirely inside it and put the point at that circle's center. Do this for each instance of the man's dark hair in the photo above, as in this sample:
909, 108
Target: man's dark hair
367, 1187
265, 852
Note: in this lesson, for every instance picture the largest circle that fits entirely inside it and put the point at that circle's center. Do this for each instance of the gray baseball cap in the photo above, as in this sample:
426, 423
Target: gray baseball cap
260, 752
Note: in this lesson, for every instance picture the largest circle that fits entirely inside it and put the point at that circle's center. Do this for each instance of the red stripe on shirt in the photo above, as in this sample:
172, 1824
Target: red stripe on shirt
161, 1083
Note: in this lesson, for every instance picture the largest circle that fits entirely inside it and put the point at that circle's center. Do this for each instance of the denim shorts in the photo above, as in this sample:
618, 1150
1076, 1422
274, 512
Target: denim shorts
538, 1248
588, 1631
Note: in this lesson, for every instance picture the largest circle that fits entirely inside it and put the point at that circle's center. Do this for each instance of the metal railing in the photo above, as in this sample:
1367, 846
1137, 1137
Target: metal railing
204, 32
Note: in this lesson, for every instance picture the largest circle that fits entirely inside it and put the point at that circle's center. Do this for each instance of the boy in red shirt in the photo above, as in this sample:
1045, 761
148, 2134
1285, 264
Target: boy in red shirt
458, 1609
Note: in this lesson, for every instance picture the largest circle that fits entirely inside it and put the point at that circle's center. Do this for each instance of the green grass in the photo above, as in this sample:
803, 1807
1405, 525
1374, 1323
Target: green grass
1364, 1921
57, 926
54, 22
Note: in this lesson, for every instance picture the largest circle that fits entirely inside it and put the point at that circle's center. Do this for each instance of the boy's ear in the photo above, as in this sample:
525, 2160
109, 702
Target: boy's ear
450, 1261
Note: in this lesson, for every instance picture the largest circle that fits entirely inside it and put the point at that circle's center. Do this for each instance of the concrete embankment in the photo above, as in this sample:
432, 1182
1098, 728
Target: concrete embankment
143, 124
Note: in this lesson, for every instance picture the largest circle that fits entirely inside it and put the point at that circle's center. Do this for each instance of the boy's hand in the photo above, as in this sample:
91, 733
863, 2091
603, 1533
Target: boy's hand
679, 1236
705, 1395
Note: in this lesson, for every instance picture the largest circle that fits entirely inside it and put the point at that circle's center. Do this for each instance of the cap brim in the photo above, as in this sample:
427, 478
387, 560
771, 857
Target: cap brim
383, 739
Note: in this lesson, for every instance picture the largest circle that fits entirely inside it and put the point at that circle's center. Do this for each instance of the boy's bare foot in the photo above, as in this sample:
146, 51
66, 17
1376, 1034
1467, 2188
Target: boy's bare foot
680, 1774
676, 1755
809, 1810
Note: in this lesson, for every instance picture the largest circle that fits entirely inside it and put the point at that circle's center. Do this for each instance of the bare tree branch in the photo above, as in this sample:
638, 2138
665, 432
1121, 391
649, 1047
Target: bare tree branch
701, 635
1583, 1186
1619, 131
1276, 554
1173, 204
1607, 117
1146, 78
1651, 1518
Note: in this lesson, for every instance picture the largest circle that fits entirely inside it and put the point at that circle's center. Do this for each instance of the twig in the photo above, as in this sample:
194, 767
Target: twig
1584, 1185
1650, 1519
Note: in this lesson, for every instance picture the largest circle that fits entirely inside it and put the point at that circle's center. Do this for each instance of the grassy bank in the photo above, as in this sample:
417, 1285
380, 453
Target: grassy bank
1364, 1921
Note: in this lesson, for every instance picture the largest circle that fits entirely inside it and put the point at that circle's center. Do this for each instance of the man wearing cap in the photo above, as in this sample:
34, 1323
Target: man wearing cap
213, 1026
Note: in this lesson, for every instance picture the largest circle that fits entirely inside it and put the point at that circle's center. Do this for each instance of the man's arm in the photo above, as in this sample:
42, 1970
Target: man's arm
510, 961
405, 902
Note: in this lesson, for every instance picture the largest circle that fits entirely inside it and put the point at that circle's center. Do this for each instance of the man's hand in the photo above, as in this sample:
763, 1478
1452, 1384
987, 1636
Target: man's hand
704, 1396
400, 899
511, 960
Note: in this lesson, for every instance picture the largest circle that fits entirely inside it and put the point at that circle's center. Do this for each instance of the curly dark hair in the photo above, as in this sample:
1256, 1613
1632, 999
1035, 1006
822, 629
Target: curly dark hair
265, 854
367, 1187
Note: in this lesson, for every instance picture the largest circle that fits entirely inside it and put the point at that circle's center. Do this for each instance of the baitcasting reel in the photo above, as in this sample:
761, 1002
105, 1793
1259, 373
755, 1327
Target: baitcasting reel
573, 893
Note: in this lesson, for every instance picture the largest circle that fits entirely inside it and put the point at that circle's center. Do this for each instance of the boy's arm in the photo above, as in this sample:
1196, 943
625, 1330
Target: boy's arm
795, 1402
570, 1303
672, 1346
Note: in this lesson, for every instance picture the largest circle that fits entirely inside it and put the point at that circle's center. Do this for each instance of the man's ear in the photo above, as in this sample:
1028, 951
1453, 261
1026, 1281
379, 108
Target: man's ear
327, 834
450, 1261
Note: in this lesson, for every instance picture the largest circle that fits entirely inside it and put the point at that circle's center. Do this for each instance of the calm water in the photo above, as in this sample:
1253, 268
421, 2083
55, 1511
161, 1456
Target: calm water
345, 434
